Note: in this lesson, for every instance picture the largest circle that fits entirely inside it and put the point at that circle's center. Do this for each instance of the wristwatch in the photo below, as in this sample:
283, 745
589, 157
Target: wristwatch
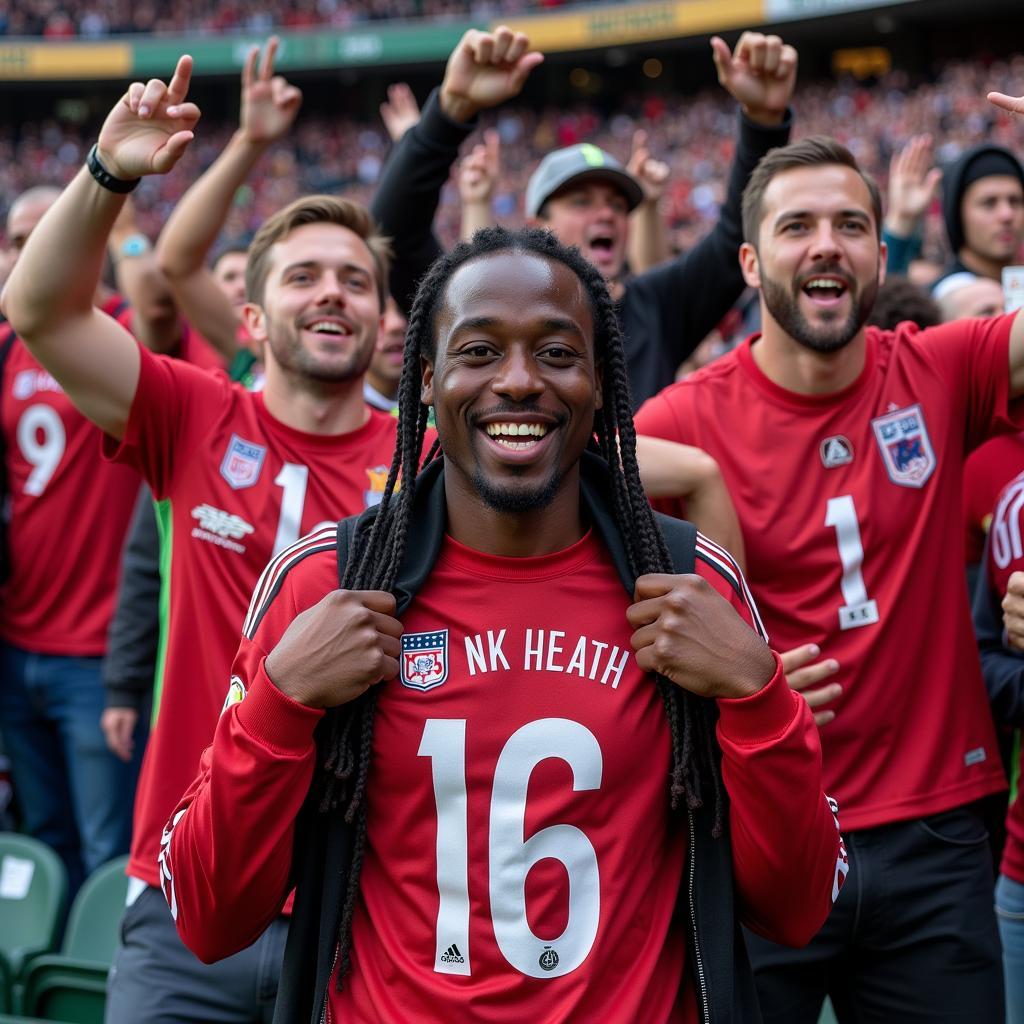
105, 178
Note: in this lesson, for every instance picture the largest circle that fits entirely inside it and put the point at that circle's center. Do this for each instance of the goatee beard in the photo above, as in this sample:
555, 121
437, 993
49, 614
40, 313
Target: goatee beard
783, 305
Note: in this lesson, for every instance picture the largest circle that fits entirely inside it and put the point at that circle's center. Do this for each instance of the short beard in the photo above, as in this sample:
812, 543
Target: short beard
784, 308
289, 354
514, 500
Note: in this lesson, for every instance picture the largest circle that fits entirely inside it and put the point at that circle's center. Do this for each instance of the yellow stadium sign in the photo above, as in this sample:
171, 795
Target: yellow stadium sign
621, 24
57, 60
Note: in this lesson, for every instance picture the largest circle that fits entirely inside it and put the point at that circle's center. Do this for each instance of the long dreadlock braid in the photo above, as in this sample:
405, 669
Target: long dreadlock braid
346, 737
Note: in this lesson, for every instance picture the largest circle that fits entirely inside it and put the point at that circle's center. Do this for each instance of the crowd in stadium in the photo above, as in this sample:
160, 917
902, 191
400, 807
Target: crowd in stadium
693, 134
522, 543
97, 19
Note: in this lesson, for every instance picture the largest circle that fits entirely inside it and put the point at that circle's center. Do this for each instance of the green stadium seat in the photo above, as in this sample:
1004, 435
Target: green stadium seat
75, 994
76, 977
33, 895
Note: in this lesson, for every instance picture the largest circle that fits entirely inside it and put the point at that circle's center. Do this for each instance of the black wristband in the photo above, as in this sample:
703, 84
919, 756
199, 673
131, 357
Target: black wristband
105, 178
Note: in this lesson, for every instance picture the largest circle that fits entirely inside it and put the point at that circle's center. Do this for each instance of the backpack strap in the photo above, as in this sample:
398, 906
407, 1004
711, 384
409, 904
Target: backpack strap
681, 538
346, 533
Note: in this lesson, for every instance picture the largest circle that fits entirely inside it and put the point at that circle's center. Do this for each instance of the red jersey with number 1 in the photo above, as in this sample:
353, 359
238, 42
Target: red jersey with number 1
233, 485
850, 505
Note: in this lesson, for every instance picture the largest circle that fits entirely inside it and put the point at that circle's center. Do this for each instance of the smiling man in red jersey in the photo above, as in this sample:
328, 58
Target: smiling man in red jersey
490, 762
843, 448
237, 477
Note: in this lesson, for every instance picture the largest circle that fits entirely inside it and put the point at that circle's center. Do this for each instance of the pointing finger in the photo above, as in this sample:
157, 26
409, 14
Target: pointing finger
178, 88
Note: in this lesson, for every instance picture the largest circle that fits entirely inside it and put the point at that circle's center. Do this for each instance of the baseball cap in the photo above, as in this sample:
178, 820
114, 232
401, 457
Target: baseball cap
581, 161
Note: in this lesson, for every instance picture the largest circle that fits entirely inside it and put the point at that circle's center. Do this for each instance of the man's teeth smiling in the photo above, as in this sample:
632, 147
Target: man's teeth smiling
504, 432
825, 284
328, 327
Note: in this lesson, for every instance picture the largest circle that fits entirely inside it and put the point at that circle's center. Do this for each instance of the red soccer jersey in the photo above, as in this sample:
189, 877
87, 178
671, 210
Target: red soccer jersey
850, 505
985, 474
1006, 556
233, 486
522, 863
69, 511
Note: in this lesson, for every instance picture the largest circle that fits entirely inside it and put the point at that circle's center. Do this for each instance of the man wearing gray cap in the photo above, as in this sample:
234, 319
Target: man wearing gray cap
584, 195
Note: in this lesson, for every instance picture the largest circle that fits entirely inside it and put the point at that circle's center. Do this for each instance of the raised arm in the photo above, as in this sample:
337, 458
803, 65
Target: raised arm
484, 70
478, 174
49, 295
268, 109
648, 240
695, 290
1015, 105
155, 321
913, 181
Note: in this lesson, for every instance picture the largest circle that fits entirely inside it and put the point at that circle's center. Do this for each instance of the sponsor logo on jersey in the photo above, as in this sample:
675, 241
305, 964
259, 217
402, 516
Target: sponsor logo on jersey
236, 693
378, 477
548, 960
452, 955
836, 451
975, 756
424, 659
242, 462
223, 524
905, 446
28, 382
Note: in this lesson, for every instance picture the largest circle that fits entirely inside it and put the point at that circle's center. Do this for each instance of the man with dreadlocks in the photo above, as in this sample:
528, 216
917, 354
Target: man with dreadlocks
490, 761
237, 476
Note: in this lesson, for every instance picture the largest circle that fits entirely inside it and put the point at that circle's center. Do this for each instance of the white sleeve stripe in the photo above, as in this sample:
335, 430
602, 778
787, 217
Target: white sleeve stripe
724, 563
326, 537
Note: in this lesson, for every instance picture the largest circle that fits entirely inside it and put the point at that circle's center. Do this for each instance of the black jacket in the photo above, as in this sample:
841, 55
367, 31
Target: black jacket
129, 667
664, 314
716, 954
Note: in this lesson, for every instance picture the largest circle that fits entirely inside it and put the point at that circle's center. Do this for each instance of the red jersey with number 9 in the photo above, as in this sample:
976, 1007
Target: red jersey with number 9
850, 505
67, 516
233, 486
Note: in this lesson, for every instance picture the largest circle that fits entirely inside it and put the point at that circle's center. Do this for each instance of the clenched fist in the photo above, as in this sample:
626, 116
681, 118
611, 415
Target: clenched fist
335, 651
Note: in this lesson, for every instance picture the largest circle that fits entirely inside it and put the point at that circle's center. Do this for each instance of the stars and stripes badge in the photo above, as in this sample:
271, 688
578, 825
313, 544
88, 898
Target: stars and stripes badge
424, 659
905, 446
242, 462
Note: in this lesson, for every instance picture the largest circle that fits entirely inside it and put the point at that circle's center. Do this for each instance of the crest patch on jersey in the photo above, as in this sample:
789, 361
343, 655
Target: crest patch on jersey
836, 451
905, 446
242, 462
236, 693
424, 659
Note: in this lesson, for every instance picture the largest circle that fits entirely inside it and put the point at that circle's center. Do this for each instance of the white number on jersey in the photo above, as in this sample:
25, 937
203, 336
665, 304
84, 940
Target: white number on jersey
42, 455
293, 479
510, 855
858, 609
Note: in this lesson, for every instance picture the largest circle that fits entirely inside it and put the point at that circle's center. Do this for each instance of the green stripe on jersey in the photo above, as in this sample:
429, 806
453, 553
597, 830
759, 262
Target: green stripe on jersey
165, 526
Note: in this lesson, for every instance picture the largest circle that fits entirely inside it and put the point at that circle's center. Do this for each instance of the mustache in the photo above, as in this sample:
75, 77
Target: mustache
328, 311
521, 408
828, 268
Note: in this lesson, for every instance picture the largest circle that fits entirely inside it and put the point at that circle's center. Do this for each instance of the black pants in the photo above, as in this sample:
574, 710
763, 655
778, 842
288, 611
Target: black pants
912, 938
156, 980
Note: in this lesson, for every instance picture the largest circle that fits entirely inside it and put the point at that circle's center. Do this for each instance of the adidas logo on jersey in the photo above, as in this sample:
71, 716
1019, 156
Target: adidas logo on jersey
836, 451
452, 955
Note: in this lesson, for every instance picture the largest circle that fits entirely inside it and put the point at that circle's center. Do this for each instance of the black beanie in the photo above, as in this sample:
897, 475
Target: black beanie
979, 162
988, 164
